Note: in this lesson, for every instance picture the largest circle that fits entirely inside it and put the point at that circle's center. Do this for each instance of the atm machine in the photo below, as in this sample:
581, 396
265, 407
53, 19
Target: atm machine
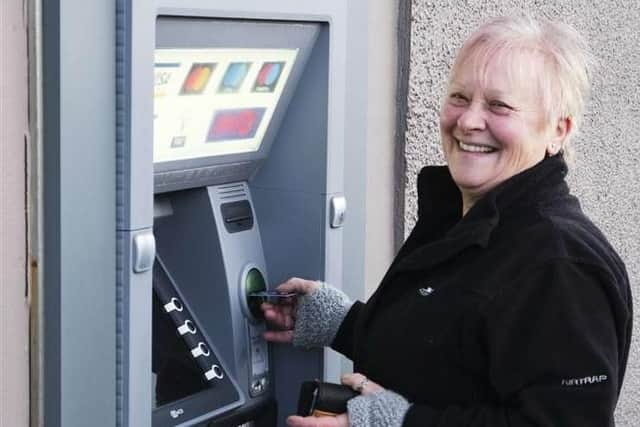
230, 134
222, 90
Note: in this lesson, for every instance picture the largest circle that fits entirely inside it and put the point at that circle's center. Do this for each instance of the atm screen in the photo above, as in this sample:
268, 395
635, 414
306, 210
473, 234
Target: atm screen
221, 91
215, 101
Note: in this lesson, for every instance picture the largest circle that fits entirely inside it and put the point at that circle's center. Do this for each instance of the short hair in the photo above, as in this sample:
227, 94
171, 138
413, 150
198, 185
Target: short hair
565, 82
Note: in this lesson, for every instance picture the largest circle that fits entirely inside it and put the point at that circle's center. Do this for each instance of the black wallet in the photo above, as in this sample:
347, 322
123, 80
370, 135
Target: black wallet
320, 399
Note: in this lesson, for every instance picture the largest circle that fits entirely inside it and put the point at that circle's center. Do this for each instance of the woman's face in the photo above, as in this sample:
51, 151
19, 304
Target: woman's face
492, 128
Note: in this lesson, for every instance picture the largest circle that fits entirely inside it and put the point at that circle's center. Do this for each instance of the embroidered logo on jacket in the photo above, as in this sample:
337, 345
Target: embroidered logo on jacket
595, 379
425, 292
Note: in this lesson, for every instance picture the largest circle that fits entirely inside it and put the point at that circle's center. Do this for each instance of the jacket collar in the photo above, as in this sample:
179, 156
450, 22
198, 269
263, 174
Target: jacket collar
443, 229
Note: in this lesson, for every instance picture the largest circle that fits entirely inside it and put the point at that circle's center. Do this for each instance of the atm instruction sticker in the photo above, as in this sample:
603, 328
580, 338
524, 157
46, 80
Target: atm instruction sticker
163, 74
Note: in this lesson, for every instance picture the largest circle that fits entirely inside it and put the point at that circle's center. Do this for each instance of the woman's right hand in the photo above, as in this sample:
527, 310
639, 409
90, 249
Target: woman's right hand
282, 316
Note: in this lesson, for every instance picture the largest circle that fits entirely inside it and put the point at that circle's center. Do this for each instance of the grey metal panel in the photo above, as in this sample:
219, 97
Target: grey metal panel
298, 159
355, 151
164, 182
134, 207
51, 213
355, 156
123, 266
338, 96
240, 251
134, 61
277, 10
292, 226
133, 339
79, 255
334, 274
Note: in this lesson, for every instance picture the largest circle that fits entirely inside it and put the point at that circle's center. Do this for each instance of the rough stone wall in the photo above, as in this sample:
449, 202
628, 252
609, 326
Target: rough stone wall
606, 174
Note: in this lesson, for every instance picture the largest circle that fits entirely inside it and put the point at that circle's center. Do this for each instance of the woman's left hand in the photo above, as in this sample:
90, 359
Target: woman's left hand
338, 421
359, 383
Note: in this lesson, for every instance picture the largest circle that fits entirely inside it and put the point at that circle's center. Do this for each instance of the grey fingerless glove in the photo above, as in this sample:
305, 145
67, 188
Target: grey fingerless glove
319, 315
381, 409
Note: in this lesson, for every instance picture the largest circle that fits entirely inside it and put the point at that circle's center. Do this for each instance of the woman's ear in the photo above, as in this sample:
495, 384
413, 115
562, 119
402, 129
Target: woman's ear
560, 133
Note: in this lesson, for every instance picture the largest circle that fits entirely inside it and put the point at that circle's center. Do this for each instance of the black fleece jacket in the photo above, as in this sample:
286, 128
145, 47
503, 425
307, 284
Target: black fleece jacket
517, 314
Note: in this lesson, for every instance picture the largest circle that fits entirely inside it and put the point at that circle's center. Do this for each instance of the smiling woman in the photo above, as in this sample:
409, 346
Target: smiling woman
515, 95
506, 306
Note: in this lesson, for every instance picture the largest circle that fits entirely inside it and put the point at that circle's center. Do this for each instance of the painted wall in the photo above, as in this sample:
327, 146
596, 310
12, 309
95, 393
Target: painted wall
14, 313
606, 174
381, 114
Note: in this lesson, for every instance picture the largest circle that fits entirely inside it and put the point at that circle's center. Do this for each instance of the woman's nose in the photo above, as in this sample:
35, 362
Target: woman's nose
472, 118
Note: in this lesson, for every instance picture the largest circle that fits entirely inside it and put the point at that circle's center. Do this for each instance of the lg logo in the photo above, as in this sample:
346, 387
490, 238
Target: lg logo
175, 413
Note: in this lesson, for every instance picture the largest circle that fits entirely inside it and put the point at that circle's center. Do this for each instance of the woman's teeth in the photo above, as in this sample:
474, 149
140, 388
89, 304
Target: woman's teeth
475, 148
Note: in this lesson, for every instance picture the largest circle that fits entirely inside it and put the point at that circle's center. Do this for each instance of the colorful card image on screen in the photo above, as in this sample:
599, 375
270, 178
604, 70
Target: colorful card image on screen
197, 79
268, 76
234, 76
235, 124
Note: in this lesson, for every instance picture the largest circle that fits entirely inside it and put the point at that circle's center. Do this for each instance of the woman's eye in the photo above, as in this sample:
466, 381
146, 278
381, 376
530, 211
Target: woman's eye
500, 107
458, 99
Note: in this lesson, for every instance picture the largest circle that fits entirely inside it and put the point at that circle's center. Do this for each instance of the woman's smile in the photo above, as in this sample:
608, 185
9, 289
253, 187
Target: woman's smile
474, 147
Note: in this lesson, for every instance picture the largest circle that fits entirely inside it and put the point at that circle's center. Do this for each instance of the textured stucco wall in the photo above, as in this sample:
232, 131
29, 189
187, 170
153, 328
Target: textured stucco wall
606, 174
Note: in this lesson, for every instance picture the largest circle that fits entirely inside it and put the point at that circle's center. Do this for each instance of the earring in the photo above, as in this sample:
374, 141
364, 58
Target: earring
553, 149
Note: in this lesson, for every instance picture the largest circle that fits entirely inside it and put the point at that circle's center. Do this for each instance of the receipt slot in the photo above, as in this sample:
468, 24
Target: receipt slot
232, 124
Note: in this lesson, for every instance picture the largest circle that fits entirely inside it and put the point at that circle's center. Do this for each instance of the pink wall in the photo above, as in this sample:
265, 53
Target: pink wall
14, 313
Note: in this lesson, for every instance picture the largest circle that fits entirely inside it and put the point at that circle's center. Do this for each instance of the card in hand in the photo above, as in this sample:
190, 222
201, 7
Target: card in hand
272, 294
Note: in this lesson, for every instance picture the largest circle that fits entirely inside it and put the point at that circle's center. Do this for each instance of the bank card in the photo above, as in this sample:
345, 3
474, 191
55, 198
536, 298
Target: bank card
272, 294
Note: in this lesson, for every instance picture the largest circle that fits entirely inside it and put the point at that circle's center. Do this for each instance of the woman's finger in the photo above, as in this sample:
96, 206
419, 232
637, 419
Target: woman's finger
279, 316
298, 285
338, 421
360, 383
283, 337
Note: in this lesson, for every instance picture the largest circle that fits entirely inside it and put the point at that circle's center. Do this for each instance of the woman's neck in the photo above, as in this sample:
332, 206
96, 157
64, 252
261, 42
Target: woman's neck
468, 200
